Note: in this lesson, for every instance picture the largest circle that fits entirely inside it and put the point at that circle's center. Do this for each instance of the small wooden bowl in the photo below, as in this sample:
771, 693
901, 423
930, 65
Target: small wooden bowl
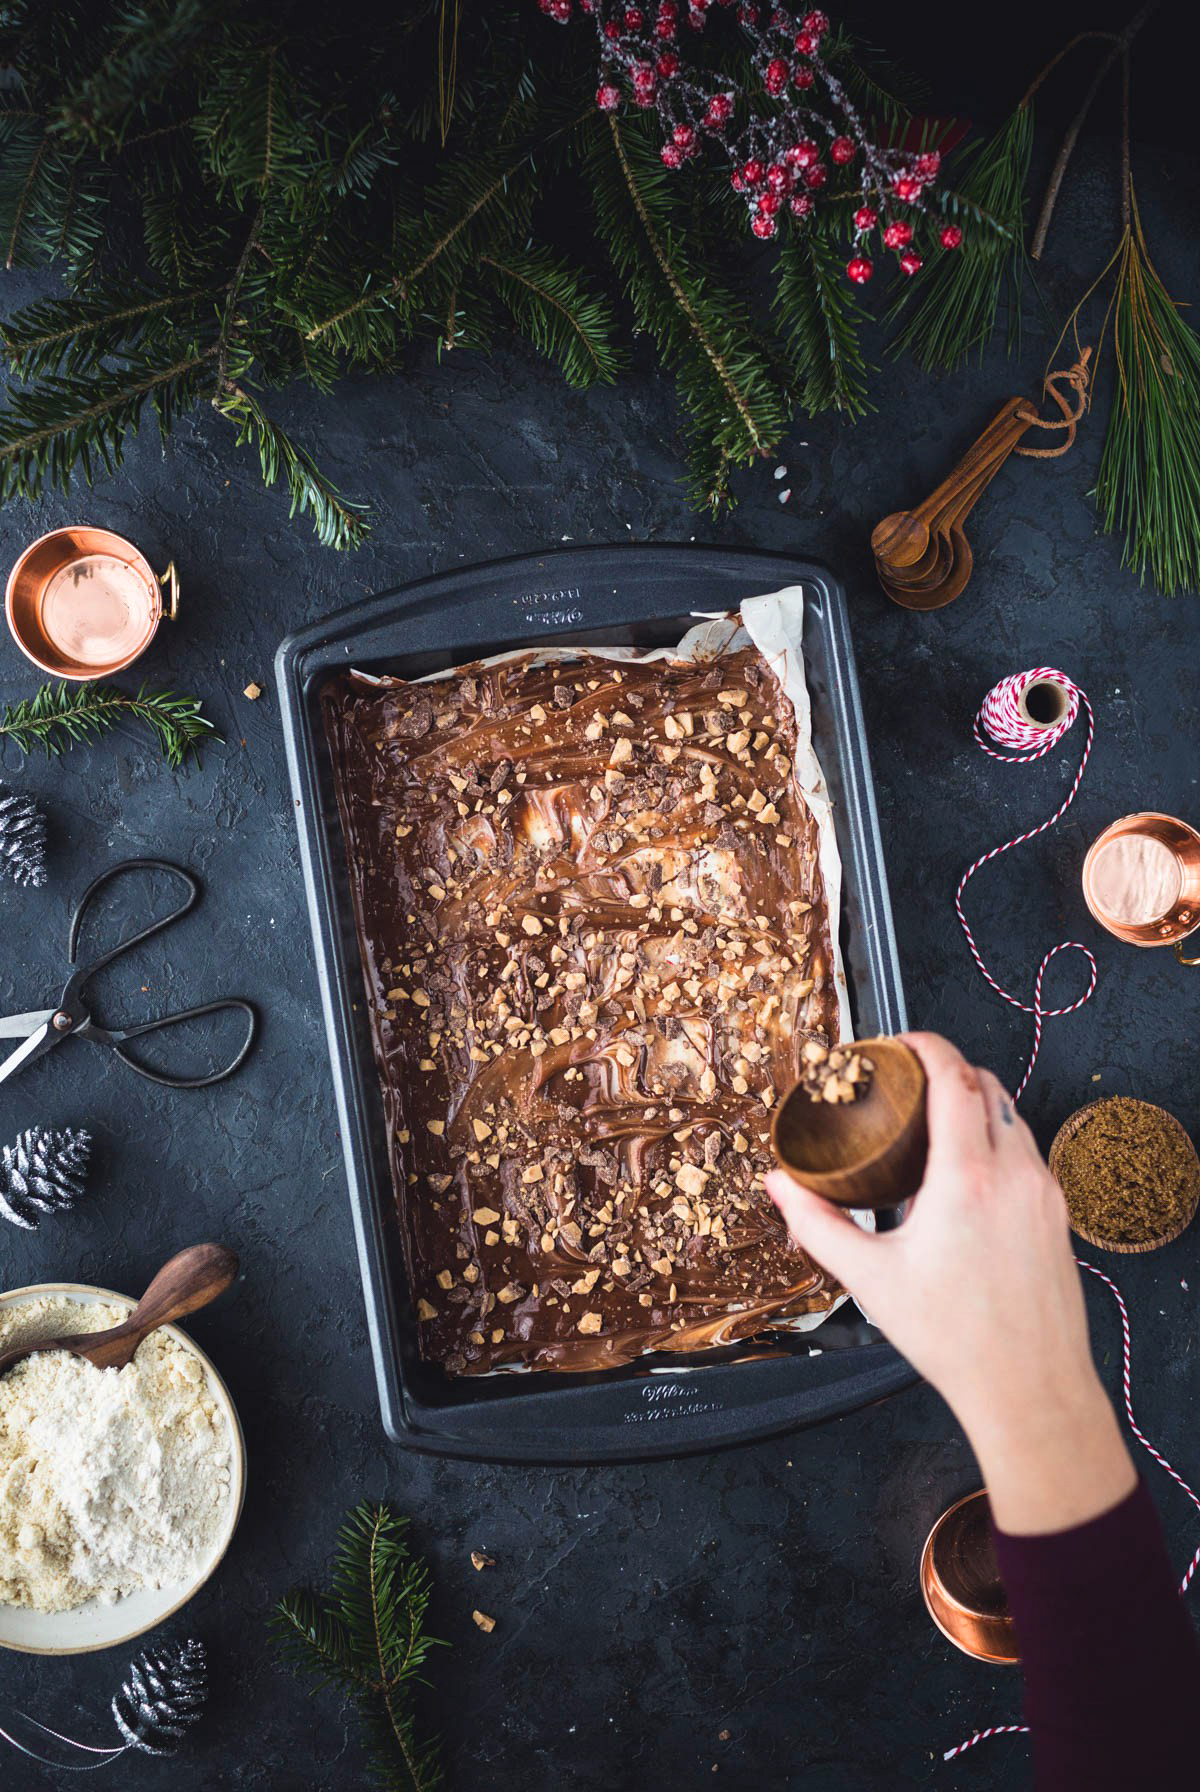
1067, 1131
865, 1153
961, 1584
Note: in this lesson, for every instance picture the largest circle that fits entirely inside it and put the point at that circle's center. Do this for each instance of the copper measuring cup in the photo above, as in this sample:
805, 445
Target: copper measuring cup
1183, 916
40, 577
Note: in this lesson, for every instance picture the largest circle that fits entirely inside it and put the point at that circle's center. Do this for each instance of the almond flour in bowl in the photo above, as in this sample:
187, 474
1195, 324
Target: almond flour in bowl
115, 1485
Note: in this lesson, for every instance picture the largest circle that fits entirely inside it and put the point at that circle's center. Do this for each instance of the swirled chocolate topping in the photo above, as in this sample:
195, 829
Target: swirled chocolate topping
595, 940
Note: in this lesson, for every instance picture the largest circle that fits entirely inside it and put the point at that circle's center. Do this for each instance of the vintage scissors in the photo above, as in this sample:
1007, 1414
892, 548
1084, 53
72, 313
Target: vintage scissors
43, 1030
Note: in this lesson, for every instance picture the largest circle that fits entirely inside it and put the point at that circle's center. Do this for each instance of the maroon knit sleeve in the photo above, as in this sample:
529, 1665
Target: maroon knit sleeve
1110, 1657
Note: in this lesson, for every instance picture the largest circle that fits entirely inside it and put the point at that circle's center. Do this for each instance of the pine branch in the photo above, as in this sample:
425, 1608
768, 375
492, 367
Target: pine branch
64, 715
150, 45
819, 319
338, 523
74, 420
255, 122
368, 1638
948, 310
1149, 482
736, 410
561, 313
73, 335
53, 197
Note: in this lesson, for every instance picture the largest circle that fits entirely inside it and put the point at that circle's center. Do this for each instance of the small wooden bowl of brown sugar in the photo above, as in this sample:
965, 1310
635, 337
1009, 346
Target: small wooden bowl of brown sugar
1129, 1172
853, 1128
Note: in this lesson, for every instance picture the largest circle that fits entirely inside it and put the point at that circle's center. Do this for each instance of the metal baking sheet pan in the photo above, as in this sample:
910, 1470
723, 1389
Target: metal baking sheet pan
642, 596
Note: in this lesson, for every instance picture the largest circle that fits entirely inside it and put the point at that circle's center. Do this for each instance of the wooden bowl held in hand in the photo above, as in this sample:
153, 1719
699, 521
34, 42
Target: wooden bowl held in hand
865, 1153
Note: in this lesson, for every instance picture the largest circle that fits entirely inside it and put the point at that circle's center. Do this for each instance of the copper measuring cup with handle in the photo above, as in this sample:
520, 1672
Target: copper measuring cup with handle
63, 574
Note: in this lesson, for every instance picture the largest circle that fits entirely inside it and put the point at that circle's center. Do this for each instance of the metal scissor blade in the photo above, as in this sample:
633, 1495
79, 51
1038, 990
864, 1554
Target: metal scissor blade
36, 1043
20, 1026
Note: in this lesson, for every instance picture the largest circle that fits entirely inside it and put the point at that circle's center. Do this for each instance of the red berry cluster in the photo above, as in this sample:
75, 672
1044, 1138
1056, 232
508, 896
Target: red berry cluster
781, 156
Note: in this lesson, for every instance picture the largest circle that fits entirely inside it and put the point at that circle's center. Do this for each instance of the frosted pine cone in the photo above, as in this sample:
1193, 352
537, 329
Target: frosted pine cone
162, 1698
22, 839
42, 1172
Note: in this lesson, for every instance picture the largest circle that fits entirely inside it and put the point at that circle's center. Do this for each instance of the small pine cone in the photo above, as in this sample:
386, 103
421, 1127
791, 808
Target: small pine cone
162, 1698
42, 1172
22, 839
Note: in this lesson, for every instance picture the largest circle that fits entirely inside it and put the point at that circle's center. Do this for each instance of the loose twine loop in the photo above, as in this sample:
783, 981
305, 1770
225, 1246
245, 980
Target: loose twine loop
1072, 408
1002, 717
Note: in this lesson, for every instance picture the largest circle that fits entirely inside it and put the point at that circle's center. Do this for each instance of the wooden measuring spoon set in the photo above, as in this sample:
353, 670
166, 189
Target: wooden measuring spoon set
922, 556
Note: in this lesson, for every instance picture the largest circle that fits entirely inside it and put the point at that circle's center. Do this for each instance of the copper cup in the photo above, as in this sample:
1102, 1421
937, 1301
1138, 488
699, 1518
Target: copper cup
41, 571
961, 1583
1183, 917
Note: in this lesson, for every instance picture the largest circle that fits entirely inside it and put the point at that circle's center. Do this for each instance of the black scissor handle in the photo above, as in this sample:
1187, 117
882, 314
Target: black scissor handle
190, 883
115, 1038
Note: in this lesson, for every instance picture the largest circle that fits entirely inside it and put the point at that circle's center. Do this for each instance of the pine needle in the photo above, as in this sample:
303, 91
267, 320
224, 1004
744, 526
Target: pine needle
819, 318
948, 311
367, 1638
1149, 482
338, 523
63, 715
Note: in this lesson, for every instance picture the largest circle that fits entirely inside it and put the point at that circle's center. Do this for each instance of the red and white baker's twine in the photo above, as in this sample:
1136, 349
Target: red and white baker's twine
1000, 716
1185, 1583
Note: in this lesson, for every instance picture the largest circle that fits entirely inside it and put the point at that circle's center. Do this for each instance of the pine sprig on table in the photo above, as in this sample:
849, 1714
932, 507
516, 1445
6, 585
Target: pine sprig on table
367, 1638
1149, 482
62, 715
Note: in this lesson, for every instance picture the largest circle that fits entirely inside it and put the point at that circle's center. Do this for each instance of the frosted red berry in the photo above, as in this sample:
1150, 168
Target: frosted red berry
608, 97
865, 218
859, 269
842, 150
910, 262
635, 18
780, 179
927, 165
802, 154
951, 236
612, 29
769, 204
816, 177
764, 225
816, 22
671, 155
645, 81
775, 79
684, 135
802, 205
898, 236
802, 78
906, 188
807, 42
753, 172
720, 110
667, 64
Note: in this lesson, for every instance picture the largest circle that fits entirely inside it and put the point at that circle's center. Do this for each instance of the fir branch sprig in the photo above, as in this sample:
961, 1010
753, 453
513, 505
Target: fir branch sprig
62, 715
947, 311
367, 1638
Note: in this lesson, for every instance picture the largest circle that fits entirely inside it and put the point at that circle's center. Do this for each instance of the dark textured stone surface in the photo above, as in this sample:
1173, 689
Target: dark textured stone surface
770, 1592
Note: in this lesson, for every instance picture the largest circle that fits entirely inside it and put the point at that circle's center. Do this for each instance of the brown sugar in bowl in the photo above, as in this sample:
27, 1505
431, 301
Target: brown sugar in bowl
1062, 1168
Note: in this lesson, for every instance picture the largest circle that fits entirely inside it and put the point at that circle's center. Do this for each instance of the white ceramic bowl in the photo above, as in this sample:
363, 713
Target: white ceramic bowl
96, 1625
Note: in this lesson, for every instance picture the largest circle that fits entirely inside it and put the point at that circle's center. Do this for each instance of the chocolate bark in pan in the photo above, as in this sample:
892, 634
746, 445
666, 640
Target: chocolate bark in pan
594, 936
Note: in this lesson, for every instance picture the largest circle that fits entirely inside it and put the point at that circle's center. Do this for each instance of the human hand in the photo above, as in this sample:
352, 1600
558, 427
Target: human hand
978, 1288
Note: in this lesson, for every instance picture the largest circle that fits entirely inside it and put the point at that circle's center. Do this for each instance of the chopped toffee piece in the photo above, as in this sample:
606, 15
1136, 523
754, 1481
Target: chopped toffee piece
595, 941
836, 1073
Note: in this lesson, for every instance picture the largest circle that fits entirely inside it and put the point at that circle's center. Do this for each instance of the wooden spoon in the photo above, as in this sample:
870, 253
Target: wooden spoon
922, 557
189, 1280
